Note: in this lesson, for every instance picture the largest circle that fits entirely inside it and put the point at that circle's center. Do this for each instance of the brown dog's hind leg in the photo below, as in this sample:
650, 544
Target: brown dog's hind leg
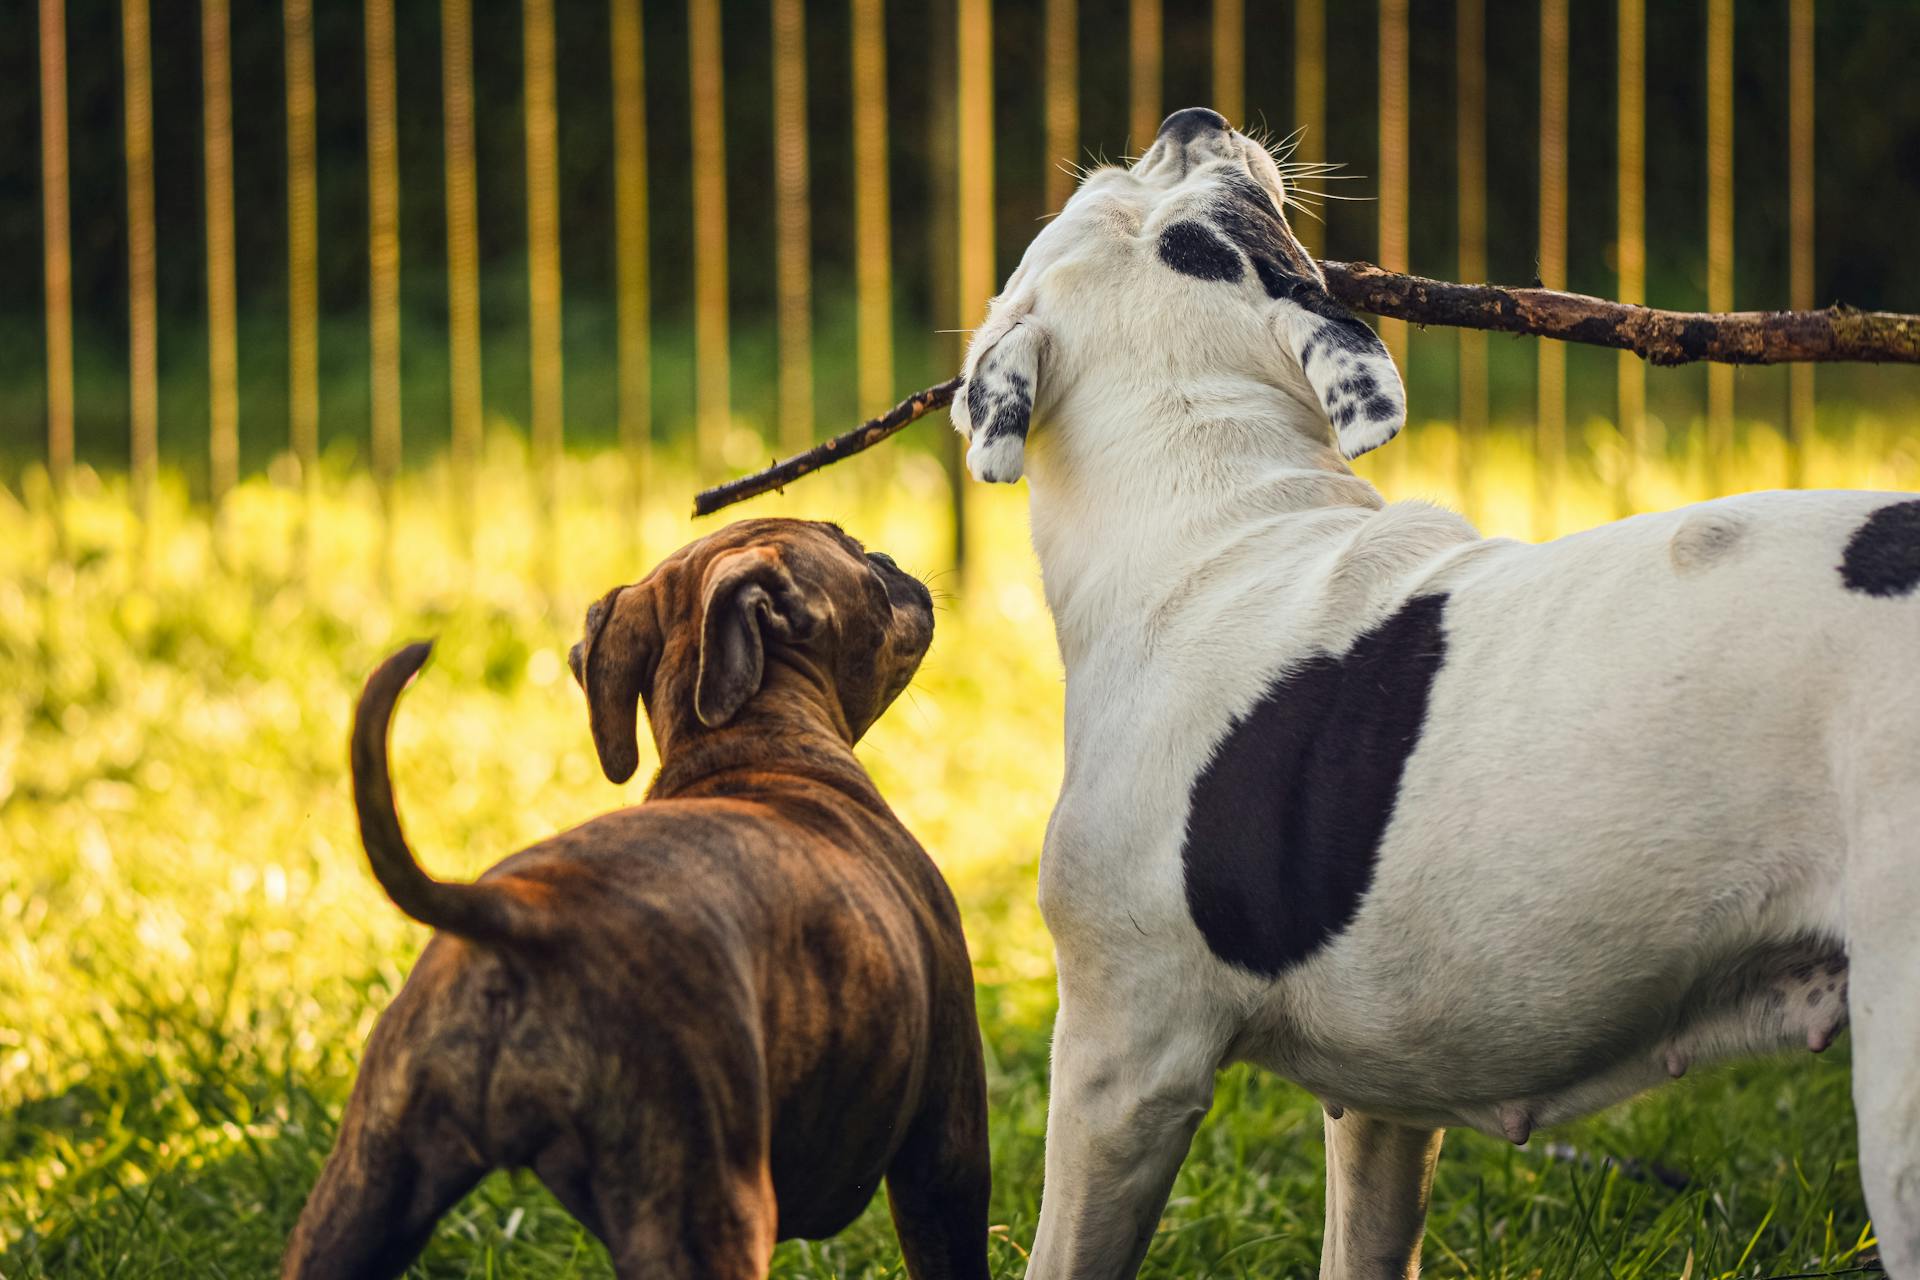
687, 1228
376, 1202
409, 1144
939, 1181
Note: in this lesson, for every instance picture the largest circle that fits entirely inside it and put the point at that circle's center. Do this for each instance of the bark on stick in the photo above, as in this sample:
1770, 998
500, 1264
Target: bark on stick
1659, 337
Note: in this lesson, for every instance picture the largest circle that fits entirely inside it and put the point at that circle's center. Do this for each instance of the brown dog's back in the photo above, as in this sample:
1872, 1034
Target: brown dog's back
667, 1013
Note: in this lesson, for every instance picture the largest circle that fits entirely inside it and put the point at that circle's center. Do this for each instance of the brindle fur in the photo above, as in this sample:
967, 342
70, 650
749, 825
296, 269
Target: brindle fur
710, 1021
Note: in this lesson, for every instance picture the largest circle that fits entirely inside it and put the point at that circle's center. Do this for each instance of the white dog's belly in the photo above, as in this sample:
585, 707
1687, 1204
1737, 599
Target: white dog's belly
1504, 1058
1579, 828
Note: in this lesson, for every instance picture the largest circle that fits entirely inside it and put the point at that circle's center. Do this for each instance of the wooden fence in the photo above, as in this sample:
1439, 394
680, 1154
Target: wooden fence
959, 161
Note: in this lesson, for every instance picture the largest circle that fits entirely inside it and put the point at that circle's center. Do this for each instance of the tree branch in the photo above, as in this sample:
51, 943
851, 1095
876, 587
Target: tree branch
1659, 337
864, 436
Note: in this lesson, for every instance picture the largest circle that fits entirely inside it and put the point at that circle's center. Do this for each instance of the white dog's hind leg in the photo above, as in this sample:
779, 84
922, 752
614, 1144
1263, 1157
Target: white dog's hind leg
1379, 1176
1130, 1085
1883, 925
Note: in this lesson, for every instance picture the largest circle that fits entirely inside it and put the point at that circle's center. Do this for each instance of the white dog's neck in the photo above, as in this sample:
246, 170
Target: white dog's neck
1122, 516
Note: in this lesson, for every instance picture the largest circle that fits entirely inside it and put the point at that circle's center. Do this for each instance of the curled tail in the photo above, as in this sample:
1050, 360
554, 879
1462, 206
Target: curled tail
482, 912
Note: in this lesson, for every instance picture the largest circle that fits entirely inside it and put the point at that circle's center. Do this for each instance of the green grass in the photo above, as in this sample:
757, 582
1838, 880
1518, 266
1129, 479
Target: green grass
192, 950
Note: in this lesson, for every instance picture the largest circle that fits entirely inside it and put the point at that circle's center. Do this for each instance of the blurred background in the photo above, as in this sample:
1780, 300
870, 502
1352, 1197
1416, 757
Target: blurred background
330, 323
376, 230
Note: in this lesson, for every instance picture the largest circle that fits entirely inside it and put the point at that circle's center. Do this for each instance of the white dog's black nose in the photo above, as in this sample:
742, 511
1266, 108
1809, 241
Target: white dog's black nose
1184, 126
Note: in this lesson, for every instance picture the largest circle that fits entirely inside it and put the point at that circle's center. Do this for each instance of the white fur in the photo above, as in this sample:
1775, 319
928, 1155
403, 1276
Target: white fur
1653, 749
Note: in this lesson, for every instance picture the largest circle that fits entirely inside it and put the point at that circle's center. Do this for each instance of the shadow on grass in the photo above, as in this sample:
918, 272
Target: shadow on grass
149, 1170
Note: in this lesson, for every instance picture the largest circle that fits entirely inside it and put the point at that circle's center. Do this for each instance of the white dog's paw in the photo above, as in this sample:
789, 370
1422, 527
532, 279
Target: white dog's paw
997, 459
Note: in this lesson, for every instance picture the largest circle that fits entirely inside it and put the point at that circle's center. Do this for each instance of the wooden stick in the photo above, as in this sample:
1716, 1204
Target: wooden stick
864, 436
1656, 336
1659, 337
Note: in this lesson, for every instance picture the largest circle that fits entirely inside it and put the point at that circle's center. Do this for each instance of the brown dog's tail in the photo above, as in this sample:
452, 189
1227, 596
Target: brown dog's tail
481, 912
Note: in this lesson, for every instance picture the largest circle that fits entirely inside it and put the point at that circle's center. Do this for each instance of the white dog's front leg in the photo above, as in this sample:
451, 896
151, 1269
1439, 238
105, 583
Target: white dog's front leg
1883, 997
1130, 1085
1379, 1176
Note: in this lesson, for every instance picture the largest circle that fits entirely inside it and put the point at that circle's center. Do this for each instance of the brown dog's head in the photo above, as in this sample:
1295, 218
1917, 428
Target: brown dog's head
700, 635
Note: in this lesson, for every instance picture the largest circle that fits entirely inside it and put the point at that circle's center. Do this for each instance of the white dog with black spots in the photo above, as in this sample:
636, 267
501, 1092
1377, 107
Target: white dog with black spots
1449, 830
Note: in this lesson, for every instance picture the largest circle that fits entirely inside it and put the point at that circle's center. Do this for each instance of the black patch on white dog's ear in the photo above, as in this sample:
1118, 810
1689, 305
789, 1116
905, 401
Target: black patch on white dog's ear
1347, 365
1286, 818
994, 407
1883, 555
1194, 250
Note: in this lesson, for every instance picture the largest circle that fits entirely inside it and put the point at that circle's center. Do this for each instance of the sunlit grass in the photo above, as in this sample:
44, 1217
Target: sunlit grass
192, 950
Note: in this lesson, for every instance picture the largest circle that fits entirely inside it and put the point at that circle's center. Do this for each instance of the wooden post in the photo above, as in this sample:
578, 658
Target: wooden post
383, 257
1470, 141
56, 232
1393, 159
464, 396
1063, 101
1719, 226
975, 188
793, 268
1800, 100
143, 391
1550, 416
303, 248
1143, 78
872, 215
1310, 101
630, 245
544, 316
1230, 60
1631, 239
706, 120
223, 374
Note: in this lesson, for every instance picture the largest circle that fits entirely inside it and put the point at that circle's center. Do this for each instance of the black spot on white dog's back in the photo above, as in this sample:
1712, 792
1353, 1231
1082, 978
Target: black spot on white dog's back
1286, 819
1883, 555
1192, 249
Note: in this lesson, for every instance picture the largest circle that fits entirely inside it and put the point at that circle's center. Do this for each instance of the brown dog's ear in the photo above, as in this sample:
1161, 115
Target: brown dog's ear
750, 597
613, 664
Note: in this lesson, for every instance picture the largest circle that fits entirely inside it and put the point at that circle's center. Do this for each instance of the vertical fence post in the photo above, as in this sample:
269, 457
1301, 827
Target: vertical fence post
1393, 192
711, 394
793, 283
1230, 60
872, 219
223, 375
143, 392
1470, 142
464, 395
383, 264
1393, 160
1063, 100
56, 234
1631, 240
303, 253
1550, 415
943, 238
1144, 71
1719, 227
974, 222
1800, 108
544, 318
630, 244
1310, 101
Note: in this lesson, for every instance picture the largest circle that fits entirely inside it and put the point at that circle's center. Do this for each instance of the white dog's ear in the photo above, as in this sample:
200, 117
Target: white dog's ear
994, 407
1347, 365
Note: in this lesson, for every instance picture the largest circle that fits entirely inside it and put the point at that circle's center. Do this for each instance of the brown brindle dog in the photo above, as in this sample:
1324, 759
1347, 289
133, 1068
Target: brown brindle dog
711, 1021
